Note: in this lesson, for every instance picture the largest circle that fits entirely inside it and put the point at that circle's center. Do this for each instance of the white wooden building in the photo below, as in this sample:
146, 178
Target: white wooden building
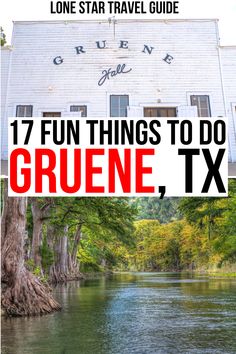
118, 68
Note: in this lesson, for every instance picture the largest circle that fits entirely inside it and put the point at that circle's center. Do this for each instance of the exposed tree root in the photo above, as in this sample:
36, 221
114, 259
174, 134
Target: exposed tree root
28, 297
56, 276
23, 294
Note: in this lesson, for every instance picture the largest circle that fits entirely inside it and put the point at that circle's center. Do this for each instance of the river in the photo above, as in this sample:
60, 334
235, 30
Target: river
141, 313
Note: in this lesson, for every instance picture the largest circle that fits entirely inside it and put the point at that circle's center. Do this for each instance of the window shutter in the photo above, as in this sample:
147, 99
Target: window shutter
135, 111
29, 111
20, 111
187, 111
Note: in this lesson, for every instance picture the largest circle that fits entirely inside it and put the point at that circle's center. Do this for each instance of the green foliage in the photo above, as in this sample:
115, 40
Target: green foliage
152, 208
225, 240
36, 270
203, 212
216, 218
104, 222
3, 37
142, 233
29, 221
97, 251
158, 246
203, 238
46, 254
114, 214
30, 265
89, 257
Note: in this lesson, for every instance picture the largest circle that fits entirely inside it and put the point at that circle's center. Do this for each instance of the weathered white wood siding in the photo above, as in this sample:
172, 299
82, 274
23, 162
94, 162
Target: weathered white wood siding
228, 55
36, 80
5, 63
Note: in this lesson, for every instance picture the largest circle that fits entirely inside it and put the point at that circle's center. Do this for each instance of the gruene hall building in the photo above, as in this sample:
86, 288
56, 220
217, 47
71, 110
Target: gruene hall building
118, 68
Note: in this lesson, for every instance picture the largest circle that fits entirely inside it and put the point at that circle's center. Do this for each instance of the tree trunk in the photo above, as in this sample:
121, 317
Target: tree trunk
37, 233
63, 258
77, 239
39, 213
23, 294
72, 259
65, 267
59, 270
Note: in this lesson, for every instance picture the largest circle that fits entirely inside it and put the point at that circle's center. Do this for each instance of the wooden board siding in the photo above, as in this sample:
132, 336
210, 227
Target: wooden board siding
36, 81
5, 62
228, 55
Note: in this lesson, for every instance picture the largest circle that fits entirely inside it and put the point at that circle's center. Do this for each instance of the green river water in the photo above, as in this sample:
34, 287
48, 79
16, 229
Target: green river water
143, 313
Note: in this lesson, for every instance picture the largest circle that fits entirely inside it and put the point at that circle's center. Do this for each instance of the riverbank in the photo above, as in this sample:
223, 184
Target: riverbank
225, 272
95, 275
222, 275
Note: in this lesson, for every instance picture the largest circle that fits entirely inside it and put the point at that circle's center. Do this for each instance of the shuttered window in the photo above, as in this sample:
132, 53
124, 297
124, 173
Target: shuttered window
203, 105
24, 111
82, 109
159, 112
119, 105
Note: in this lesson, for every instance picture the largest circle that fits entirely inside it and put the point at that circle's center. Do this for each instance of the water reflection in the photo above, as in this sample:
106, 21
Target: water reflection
132, 313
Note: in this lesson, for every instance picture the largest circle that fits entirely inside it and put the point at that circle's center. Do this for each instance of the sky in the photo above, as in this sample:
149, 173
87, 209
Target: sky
32, 10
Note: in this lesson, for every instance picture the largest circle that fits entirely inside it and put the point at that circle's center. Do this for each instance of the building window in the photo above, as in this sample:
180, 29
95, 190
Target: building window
119, 105
82, 109
159, 112
24, 111
203, 105
52, 114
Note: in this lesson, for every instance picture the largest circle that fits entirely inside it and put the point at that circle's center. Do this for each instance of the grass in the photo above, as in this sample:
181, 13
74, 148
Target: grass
219, 274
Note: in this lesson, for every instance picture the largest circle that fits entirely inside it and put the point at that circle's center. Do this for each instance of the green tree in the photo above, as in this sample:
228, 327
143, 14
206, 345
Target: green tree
225, 243
91, 223
214, 218
152, 208
3, 37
